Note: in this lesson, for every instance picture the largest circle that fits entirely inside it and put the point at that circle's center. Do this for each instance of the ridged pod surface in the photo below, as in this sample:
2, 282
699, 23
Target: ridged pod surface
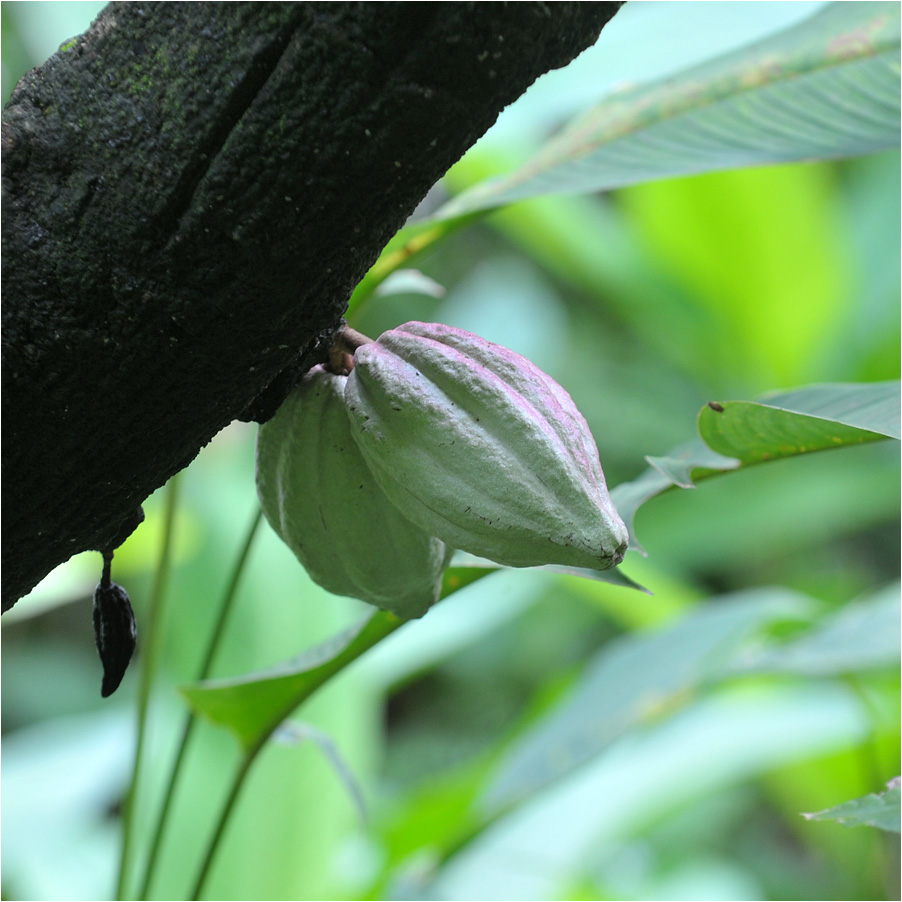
319, 495
478, 446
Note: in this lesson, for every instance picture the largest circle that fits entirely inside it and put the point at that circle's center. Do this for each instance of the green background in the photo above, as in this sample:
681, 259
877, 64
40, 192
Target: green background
645, 303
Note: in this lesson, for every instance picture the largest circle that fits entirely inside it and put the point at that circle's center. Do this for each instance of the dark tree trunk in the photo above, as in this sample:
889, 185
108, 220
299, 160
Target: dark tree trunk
191, 193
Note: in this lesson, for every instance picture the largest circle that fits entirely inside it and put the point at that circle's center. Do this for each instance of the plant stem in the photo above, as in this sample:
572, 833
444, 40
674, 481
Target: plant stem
875, 774
385, 627
246, 762
378, 628
188, 728
152, 630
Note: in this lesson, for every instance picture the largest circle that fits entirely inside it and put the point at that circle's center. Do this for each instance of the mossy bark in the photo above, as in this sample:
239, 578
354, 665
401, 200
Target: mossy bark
191, 193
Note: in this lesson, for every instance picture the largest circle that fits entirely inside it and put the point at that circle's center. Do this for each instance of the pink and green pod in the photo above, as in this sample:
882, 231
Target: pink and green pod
319, 495
476, 445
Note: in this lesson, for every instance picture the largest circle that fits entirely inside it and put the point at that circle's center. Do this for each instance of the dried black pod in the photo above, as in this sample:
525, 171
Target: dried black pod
114, 631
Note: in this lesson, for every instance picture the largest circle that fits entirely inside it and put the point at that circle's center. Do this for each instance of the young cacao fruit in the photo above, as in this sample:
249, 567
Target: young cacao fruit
319, 495
115, 632
478, 446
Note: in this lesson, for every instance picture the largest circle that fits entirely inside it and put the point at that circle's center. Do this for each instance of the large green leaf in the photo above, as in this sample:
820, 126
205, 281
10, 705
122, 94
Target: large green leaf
643, 676
871, 406
634, 680
675, 777
691, 461
252, 706
809, 419
881, 810
825, 88
736, 434
858, 637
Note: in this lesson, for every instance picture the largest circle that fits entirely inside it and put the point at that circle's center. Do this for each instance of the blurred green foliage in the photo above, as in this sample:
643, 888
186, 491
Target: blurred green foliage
645, 303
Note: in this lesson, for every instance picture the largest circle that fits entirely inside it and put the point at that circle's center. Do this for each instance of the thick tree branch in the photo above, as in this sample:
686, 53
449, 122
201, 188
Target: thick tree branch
191, 192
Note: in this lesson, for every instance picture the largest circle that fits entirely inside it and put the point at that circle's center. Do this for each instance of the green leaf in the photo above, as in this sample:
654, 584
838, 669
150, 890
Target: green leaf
409, 281
825, 88
465, 570
861, 636
685, 464
881, 810
613, 575
735, 434
809, 419
872, 406
691, 461
252, 706
405, 247
634, 680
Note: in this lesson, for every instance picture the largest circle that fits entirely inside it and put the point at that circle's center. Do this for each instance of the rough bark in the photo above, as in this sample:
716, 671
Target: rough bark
191, 193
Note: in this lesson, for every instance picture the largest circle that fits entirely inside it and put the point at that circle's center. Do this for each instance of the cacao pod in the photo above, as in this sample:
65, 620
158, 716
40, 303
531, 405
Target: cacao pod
115, 633
319, 495
478, 446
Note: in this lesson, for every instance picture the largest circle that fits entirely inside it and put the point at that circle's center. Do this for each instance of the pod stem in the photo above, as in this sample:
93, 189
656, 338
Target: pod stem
105, 577
341, 354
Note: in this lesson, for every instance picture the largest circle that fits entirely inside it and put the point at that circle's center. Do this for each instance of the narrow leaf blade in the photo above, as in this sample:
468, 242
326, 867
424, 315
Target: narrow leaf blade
825, 88
815, 418
252, 706
871, 406
734, 434
880, 810
633, 680
682, 467
861, 636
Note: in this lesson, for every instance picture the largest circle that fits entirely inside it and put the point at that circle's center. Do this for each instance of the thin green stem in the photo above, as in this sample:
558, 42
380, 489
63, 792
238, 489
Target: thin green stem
231, 590
871, 765
379, 627
225, 608
246, 762
148, 659
382, 627
875, 774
